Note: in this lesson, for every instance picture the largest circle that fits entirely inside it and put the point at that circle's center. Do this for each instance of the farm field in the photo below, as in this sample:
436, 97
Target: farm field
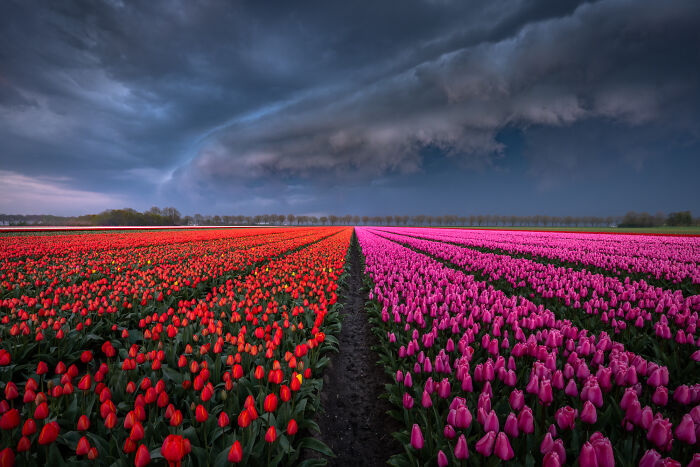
199, 347
212, 347
500, 350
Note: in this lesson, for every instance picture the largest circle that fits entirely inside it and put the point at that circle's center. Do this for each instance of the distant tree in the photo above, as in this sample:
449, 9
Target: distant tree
356, 220
291, 218
389, 219
681, 218
216, 220
365, 220
324, 220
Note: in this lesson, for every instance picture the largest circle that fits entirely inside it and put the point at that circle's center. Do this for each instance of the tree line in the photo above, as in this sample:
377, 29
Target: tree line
171, 216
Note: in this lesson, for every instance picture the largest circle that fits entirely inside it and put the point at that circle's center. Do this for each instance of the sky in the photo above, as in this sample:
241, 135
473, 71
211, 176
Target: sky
509, 107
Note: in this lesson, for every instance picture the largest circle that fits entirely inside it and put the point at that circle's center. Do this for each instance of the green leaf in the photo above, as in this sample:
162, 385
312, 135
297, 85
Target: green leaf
316, 445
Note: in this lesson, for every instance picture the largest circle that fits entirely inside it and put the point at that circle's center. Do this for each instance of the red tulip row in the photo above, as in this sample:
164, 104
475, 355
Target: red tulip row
483, 377
199, 347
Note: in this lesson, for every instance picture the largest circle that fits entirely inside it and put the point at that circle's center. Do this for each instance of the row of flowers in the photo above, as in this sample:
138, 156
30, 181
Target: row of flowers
630, 309
482, 377
201, 350
665, 258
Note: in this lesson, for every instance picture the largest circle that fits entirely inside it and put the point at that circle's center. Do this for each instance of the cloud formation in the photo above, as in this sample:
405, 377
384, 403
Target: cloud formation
245, 106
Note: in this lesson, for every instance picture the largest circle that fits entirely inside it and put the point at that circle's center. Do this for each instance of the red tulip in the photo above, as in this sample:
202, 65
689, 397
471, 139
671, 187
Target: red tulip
292, 427
49, 433
7, 456
23, 445
176, 418
270, 403
83, 447
201, 414
10, 420
11, 391
29, 427
143, 457
42, 411
244, 419
271, 434
137, 432
174, 448
235, 454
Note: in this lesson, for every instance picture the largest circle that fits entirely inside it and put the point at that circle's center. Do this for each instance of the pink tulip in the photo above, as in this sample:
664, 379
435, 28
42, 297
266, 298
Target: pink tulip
517, 399
449, 432
444, 389
660, 432
503, 449
650, 458
551, 459
426, 401
565, 418
442, 459
461, 449
685, 431
589, 414
407, 401
603, 450
463, 418
545, 393
511, 426
525, 421
587, 457
547, 444
416, 437
485, 445
682, 394
491, 423
660, 396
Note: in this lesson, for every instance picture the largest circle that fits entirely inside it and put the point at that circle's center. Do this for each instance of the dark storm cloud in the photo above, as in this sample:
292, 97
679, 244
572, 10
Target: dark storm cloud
246, 106
624, 62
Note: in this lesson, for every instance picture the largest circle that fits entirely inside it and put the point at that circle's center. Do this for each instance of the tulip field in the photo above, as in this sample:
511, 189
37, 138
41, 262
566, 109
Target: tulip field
185, 347
207, 347
537, 348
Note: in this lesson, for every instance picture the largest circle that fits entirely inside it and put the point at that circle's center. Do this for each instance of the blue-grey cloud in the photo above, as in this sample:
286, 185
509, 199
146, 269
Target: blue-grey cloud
242, 107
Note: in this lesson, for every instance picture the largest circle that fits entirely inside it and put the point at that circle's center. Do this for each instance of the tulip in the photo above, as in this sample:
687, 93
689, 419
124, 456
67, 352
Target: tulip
511, 426
463, 418
174, 448
491, 423
270, 403
587, 457
416, 437
271, 434
7, 456
29, 427
551, 459
485, 445
143, 457
659, 432
461, 449
449, 432
503, 449
685, 431
525, 421
49, 433
407, 401
292, 427
176, 418
10, 419
235, 454
565, 418
517, 399
83, 447
651, 458
201, 414
42, 411
223, 420
426, 401
23, 445
660, 396
603, 450
442, 459
589, 414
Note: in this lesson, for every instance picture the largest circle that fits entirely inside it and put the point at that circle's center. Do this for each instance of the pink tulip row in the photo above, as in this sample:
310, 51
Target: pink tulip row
460, 349
617, 304
663, 257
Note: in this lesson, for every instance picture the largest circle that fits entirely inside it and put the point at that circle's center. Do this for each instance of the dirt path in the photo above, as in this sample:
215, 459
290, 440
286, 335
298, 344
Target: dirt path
354, 422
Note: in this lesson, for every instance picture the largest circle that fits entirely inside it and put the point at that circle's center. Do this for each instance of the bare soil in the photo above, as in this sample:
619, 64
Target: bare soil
353, 422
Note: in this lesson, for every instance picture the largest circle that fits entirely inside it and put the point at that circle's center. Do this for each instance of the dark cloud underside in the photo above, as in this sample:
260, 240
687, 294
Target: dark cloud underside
257, 106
